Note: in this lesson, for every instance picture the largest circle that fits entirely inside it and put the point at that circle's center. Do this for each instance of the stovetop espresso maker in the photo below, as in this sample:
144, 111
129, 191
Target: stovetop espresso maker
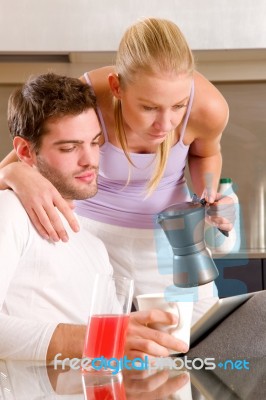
183, 225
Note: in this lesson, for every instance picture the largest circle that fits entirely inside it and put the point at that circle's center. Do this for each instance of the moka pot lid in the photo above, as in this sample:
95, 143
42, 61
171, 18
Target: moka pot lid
179, 209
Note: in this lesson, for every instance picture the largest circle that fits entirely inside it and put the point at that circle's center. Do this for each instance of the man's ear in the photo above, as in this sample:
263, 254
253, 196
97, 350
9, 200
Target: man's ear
24, 150
114, 84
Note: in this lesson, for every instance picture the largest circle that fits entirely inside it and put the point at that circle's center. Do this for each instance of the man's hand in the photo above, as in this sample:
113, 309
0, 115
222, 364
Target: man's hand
65, 381
150, 385
144, 341
67, 340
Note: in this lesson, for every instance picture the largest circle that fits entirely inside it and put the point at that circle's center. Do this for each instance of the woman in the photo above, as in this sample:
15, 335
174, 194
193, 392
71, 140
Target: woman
157, 113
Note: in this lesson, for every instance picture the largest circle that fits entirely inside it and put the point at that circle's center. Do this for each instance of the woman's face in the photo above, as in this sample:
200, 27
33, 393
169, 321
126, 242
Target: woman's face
154, 105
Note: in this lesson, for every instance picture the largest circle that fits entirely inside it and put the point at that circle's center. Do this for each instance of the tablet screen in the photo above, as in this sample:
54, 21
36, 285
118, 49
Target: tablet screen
219, 311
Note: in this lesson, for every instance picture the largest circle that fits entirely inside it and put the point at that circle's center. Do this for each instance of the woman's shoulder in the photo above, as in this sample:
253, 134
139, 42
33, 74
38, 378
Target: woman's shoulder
99, 77
210, 109
99, 81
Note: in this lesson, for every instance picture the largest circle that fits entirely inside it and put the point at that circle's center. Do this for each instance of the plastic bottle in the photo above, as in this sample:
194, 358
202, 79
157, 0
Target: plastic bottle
215, 240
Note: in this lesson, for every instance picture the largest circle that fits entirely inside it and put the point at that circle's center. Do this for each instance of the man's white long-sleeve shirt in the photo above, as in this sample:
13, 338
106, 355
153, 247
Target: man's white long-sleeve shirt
42, 284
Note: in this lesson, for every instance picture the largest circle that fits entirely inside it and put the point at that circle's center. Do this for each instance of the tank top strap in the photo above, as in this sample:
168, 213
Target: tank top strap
100, 115
191, 97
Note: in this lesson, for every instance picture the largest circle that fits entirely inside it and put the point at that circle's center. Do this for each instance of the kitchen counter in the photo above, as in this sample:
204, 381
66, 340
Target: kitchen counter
242, 379
247, 253
241, 272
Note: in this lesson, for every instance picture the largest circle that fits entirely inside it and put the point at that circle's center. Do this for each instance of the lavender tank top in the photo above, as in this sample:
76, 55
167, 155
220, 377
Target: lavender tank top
122, 204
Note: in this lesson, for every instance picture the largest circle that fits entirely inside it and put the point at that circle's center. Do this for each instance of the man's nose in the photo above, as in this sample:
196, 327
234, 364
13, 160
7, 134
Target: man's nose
90, 157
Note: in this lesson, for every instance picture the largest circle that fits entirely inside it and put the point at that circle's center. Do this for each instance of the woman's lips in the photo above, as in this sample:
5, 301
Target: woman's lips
158, 135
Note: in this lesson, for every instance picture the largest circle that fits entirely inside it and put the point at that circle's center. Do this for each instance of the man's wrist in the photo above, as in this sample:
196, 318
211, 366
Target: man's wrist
68, 341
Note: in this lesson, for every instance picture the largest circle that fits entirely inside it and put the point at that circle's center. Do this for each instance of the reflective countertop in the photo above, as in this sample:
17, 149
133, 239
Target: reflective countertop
242, 379
246, 254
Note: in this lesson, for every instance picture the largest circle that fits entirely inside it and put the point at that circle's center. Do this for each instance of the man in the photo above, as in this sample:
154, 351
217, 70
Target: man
45, 286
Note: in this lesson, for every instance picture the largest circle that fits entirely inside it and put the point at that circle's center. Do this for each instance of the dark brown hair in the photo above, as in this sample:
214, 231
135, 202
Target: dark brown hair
42, 98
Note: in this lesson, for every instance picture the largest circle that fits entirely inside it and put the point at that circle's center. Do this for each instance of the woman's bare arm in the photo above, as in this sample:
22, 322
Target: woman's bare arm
39, 198
10, 158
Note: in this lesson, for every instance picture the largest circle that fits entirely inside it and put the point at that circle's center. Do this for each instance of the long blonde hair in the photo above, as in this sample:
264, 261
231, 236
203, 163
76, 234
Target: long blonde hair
150, 45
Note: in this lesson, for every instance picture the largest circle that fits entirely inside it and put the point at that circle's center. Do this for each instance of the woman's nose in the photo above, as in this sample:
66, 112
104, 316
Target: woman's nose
163, 122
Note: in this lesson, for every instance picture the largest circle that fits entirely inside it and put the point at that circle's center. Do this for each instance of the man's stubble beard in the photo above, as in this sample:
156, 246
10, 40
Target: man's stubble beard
67, 189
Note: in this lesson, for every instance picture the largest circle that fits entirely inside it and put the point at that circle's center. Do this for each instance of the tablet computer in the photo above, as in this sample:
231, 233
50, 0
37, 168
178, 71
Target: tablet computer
219, 311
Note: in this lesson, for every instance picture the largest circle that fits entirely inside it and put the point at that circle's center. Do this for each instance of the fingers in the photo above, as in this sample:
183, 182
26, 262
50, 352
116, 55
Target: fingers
220, 223
66, 209
141, 347
133, 376
155, 344
142, 340
51, 223
45, 217
155, 385
54, 222
141, 384
222, 213
155, 316
41, 201
174, 384
209, 195
37, 224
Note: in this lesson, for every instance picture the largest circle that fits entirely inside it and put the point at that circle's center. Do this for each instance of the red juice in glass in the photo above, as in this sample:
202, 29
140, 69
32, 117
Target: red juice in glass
106, 336
111, 391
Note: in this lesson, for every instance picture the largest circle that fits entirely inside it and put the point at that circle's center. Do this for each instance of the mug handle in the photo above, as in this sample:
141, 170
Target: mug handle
173, 305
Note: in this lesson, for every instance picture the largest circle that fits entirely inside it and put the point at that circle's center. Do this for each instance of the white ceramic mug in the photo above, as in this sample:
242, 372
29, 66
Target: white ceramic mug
179, 304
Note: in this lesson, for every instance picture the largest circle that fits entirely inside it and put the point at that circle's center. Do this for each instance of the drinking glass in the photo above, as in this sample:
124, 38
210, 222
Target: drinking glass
98, 387
108, 320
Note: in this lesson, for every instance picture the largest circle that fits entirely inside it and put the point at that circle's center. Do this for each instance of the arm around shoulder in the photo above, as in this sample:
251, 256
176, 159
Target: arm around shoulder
10, 158
6, 168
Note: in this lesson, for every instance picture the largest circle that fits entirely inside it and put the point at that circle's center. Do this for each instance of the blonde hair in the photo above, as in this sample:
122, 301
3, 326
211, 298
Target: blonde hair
150, 45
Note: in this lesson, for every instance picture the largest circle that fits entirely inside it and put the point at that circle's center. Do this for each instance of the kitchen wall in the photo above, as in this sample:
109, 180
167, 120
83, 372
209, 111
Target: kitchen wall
244, 156
89, 25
